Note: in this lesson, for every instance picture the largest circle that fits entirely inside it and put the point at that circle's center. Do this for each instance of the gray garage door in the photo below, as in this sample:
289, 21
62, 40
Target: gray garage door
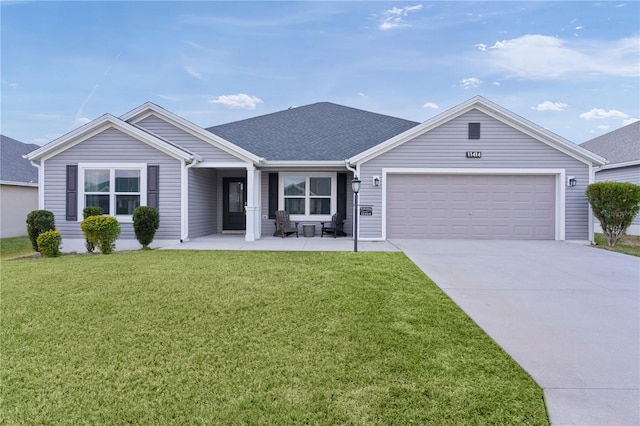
470, 206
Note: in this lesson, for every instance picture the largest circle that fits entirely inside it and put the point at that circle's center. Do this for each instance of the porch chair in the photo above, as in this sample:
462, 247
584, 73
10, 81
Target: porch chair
334, 227
284, 226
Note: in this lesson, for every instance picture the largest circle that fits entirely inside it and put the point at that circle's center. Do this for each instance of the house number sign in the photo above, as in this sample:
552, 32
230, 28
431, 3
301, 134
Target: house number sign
474, 154
366, 211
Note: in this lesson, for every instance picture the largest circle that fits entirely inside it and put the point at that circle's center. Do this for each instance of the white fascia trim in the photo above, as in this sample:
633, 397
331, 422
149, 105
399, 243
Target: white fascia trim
222, 165
147, 109
306, 164
618, 165
493, 110
99, 125
560, 180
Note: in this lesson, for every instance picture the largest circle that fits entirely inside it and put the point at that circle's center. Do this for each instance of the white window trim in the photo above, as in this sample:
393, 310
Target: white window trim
142, 167
307, 175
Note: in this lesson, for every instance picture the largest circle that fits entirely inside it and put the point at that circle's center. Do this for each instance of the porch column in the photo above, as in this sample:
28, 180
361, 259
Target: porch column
251, 209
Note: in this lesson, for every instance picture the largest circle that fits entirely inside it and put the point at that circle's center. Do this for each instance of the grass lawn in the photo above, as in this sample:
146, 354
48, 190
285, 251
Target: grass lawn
205, 337
13, 248
628, 244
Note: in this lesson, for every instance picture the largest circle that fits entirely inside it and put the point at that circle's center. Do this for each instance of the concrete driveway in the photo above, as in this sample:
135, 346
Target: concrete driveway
569, 314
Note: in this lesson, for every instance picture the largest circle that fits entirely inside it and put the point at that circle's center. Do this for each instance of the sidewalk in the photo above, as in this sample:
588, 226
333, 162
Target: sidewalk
290, 243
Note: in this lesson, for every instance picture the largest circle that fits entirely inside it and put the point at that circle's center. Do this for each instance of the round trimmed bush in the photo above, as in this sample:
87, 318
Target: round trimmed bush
39, 221
49, 243
87, 212
615, 205
146, 221
102, 232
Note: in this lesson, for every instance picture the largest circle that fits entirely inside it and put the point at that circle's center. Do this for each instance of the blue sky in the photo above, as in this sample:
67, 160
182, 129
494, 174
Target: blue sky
571, 67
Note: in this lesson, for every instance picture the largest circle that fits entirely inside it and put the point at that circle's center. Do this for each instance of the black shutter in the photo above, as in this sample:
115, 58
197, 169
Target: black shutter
342, 195
474, 130
273, 195
153, 186
72, 193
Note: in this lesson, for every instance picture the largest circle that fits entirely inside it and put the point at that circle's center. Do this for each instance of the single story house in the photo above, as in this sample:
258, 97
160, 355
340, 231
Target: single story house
18, 187
474, 171
621, 148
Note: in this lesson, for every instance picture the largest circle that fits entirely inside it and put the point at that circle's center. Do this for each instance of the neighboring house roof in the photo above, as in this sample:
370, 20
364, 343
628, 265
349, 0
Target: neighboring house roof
318, 132
493, 110
621, 147
105, 122
13, 167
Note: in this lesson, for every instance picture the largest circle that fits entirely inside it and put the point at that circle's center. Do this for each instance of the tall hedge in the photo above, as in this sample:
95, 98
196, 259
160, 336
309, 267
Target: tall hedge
146, 221
615, 205
39, 221
102, 232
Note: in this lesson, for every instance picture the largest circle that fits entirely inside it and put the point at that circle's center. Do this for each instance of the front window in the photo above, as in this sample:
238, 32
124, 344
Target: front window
117, 189
309, 196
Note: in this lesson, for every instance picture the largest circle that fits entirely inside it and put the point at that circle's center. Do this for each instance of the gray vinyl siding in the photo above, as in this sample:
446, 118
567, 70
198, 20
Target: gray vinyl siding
113, 146
621, 174
185, 140
267, 226
202, 202
502, 147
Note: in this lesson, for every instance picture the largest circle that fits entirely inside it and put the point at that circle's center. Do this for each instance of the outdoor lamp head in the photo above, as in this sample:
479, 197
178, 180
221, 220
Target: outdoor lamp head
355, 185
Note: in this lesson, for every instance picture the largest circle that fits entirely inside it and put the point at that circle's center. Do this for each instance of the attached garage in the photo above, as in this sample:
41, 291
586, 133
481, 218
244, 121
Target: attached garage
476, 206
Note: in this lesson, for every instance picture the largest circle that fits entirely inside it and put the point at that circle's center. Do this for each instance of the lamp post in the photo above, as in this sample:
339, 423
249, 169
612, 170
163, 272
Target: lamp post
355, 186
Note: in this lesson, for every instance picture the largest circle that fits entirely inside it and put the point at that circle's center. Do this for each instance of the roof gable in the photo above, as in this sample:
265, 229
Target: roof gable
145, 110
493, 110
318, 132
99, 125
620, 147
13, 166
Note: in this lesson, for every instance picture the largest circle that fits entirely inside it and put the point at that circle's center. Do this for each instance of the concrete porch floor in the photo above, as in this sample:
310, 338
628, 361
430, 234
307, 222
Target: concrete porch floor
290, 243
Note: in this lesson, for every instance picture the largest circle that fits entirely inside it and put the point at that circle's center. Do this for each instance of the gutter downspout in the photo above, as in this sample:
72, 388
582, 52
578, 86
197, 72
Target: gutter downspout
184, 237
40, 182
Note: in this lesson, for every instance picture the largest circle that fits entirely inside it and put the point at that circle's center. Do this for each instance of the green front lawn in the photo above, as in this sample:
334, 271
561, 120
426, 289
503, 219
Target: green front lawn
628, 244
13, 248
206, 337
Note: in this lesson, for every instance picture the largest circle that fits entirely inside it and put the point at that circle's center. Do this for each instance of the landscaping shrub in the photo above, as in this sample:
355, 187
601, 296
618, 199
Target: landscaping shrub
102, 232
39, 221
87, 212
615, 205
49, 243
146, 221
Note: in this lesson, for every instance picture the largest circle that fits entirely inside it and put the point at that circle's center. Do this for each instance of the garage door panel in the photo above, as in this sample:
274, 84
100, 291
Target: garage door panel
471, 206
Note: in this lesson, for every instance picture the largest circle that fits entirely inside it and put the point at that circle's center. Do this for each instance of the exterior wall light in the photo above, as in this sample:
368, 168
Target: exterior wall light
572, 181
376, 181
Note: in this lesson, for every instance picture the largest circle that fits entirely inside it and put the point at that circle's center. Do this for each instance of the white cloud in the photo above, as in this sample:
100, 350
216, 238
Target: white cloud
394, 17
167, 97
598, 114
628, 121
550, 106
470, 83
481, 47
240, 100
362, 95
540, 57
495, 83
192, 72
430, 105
81, 121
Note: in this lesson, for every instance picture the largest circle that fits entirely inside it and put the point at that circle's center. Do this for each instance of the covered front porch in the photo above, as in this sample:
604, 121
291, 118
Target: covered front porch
239, 200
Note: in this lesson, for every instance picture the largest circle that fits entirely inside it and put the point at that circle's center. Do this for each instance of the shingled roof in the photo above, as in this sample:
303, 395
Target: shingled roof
14, 168
318, 132
618, 146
